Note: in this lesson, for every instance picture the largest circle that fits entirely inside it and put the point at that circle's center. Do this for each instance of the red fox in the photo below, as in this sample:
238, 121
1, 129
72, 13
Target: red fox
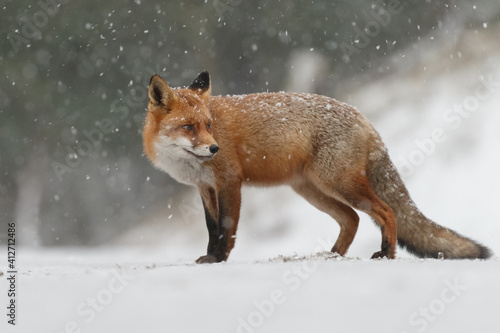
324, 149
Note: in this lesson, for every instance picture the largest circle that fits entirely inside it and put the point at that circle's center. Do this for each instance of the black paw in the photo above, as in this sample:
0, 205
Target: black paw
378, 255
208, 259
383, 254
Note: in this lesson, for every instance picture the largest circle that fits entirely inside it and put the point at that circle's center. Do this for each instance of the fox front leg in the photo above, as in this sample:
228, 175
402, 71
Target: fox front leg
222, 212
211, 207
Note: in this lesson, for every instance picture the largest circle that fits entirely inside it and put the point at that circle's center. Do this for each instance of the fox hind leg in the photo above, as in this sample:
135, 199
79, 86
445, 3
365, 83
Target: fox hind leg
363, 197
354, 190
345, 216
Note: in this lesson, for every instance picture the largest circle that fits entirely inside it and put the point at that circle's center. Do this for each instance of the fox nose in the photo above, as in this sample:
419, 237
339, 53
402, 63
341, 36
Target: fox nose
214, 149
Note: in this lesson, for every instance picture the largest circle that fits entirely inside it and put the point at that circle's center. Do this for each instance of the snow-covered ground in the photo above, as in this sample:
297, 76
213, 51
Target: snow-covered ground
146, 280
127, 291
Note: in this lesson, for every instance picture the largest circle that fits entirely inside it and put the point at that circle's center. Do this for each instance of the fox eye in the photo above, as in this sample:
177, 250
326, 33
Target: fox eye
188, 127
209, 126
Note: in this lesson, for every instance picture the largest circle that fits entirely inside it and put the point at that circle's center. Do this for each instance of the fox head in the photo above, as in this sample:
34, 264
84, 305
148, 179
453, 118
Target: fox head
178, 124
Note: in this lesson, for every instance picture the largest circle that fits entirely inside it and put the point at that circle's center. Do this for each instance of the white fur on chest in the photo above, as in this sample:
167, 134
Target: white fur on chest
171, 158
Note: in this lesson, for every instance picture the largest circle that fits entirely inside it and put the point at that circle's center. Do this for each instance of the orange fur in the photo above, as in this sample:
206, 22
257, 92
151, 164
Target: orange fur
324, 149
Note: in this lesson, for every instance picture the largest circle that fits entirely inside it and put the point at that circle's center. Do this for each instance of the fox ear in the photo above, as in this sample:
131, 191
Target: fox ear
159, 91
201, 84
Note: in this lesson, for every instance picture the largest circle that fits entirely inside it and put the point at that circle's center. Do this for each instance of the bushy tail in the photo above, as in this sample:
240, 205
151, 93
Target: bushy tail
418, 234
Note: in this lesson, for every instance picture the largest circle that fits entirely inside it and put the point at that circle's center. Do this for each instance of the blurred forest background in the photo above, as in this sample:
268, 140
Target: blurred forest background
74, 88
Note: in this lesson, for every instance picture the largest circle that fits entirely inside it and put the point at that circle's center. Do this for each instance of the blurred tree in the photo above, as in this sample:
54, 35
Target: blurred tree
73, 100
